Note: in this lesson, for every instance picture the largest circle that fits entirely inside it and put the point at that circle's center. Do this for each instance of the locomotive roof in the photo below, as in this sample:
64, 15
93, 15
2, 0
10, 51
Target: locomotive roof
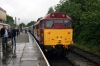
55, 15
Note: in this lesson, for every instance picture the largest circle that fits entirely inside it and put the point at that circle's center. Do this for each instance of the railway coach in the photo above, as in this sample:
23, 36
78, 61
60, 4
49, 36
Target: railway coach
30, 29
54, 33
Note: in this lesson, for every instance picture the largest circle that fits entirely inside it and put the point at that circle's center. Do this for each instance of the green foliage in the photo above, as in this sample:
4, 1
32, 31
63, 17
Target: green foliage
95, 49
21, 25
31, 23
39, 19
50, 10
10, 20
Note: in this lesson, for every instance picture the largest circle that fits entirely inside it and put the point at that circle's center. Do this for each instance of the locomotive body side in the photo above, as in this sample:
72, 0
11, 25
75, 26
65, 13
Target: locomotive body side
38, 32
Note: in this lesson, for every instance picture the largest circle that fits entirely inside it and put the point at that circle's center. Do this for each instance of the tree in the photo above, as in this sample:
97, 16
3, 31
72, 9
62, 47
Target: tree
10, 20
21, 25
31, 23
39, 19
50, 10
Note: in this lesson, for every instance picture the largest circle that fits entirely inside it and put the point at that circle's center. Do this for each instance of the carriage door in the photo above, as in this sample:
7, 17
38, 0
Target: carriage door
41, 31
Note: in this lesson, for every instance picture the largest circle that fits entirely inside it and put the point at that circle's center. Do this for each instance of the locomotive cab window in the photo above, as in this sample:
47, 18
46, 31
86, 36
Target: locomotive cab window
68, 23
42, 24
49, 23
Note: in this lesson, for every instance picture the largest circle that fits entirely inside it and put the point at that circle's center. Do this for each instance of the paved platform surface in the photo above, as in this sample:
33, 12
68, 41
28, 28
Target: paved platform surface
26, 53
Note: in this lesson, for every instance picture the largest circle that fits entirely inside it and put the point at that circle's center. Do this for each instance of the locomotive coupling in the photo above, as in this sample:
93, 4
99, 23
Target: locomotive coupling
59, 41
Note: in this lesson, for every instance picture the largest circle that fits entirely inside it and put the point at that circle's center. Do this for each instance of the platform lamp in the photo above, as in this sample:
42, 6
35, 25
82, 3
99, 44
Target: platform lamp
19, 22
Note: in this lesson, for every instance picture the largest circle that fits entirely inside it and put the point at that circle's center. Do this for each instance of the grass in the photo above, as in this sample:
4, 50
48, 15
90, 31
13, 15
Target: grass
91, 48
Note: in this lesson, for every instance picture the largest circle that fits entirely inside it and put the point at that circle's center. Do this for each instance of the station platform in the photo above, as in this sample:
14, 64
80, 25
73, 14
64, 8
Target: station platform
26, 53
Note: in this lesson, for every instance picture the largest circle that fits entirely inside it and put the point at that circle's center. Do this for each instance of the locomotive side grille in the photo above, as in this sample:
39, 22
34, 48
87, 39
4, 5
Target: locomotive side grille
59, 26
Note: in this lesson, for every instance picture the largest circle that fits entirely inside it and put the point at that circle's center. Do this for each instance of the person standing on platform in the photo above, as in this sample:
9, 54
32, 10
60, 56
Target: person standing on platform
9, 33
14, 36
4, 35
17, 30
25, 31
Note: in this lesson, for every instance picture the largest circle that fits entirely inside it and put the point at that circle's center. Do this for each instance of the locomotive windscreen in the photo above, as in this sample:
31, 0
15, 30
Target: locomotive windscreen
59, 23
68, 23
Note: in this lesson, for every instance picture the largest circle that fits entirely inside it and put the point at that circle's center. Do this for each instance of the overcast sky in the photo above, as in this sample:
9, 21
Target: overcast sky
27, 10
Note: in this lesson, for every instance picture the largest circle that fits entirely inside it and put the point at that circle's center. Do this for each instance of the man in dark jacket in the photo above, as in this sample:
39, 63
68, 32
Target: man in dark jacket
17, 30
13, 36
4, 35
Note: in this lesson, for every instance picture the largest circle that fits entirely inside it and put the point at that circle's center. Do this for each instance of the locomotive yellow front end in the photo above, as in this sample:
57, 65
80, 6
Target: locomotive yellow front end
57, 33
58, 40
54, 37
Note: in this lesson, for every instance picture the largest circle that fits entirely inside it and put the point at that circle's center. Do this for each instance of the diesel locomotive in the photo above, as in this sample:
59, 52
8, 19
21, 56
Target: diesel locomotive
54, 33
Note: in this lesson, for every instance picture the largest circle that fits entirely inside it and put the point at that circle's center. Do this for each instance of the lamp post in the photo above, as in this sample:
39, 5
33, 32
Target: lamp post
15, 21
19, 22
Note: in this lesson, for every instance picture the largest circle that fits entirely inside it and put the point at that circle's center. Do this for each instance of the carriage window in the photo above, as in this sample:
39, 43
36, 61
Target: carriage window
58, 21
68, 24
49, 23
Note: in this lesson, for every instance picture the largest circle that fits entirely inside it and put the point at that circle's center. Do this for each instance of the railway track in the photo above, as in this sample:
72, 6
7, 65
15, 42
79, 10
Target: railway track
76, 57
72, 59
83, 57
59, 61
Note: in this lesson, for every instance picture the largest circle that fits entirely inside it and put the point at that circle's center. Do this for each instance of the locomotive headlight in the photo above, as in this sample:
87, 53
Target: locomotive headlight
71, 42
48, 32
63, 15
53, 47
52, 15
46, 50
68, 32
